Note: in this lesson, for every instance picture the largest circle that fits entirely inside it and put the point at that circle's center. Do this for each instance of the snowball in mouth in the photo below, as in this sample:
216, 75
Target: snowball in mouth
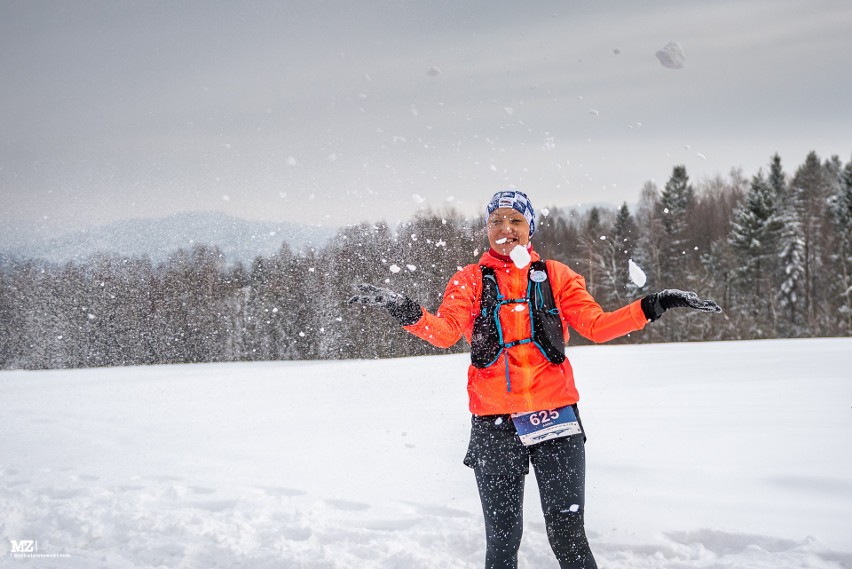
520, 256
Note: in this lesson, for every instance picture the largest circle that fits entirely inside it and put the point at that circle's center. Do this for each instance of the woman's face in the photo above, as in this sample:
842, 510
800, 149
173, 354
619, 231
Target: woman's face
507, 228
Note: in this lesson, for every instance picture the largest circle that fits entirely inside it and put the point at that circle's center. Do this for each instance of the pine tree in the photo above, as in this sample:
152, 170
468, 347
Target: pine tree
811, 188
675, 202
753, 240
675, 205
616, 289
12, 313
677, 253
275, 307
591, 248
558, 237
624, 239
841, 209
791, 256
791, 291
777, 180
238, 282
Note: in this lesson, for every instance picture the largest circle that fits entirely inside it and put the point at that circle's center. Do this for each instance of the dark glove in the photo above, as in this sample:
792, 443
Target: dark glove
655, 304
405, 310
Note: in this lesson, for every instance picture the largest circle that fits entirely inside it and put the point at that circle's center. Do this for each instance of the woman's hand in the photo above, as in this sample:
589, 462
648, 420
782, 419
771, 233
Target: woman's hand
654, 305
405, 310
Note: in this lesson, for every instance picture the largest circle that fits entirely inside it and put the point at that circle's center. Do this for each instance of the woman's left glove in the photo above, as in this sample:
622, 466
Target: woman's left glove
655, 304
405, 310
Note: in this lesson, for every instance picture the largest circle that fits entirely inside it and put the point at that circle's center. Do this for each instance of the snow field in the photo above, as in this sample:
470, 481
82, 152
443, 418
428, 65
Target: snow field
699, 455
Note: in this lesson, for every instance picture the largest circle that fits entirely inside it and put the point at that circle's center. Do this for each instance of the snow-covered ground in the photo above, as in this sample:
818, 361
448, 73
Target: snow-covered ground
700, 455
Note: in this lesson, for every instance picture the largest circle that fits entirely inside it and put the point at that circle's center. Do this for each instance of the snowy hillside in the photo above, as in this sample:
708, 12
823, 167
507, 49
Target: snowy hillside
700, 455
239, 240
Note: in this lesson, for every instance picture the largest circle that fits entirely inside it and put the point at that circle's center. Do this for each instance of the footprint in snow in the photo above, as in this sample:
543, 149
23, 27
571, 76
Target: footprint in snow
348, 506
214, 505
295, 533
438, 511
60, 493
390, 525
162, 478
280, 491
85, 478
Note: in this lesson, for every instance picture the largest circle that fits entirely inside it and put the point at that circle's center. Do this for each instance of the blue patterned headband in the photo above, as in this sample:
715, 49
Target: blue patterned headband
515, 200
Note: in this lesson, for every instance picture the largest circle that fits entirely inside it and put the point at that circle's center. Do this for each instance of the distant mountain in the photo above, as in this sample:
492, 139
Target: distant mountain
239, 240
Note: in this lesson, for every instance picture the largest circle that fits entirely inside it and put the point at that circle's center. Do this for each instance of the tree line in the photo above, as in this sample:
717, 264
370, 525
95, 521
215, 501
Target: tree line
774, 250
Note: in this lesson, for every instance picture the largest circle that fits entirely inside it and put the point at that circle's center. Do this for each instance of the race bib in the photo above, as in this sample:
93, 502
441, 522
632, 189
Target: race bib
540, 426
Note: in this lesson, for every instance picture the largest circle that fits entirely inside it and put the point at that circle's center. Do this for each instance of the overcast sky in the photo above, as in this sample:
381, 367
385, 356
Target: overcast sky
341, 112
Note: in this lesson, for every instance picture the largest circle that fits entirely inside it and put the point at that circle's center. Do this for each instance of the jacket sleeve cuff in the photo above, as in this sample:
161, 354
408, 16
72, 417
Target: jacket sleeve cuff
637, 312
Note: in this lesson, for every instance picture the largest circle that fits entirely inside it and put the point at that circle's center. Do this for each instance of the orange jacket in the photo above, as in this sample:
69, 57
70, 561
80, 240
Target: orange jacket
536, 384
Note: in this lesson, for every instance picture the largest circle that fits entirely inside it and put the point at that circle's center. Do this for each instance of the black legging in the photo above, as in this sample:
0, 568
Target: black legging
559, 466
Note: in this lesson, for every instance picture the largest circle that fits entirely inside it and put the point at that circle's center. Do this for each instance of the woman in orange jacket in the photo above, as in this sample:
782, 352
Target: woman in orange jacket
515, 310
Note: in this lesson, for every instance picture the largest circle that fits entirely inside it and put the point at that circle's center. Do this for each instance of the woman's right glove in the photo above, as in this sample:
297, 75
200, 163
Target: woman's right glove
405, 310
655, 304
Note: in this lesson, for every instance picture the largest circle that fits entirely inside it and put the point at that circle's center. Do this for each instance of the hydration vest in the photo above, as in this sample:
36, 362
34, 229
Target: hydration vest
487, 343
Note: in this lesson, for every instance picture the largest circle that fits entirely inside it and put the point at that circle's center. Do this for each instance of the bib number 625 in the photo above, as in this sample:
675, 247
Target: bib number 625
543, 417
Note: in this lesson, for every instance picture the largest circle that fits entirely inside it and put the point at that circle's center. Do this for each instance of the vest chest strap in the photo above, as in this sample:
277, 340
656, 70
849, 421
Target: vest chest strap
546, 333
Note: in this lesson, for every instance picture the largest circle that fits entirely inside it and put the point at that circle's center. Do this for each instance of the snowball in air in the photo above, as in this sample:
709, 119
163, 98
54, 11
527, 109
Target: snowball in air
394, 269
637, 275
520, 256
671, 55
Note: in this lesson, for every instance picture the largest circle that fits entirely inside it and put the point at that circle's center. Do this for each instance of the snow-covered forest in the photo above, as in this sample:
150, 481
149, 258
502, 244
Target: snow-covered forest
775, 250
